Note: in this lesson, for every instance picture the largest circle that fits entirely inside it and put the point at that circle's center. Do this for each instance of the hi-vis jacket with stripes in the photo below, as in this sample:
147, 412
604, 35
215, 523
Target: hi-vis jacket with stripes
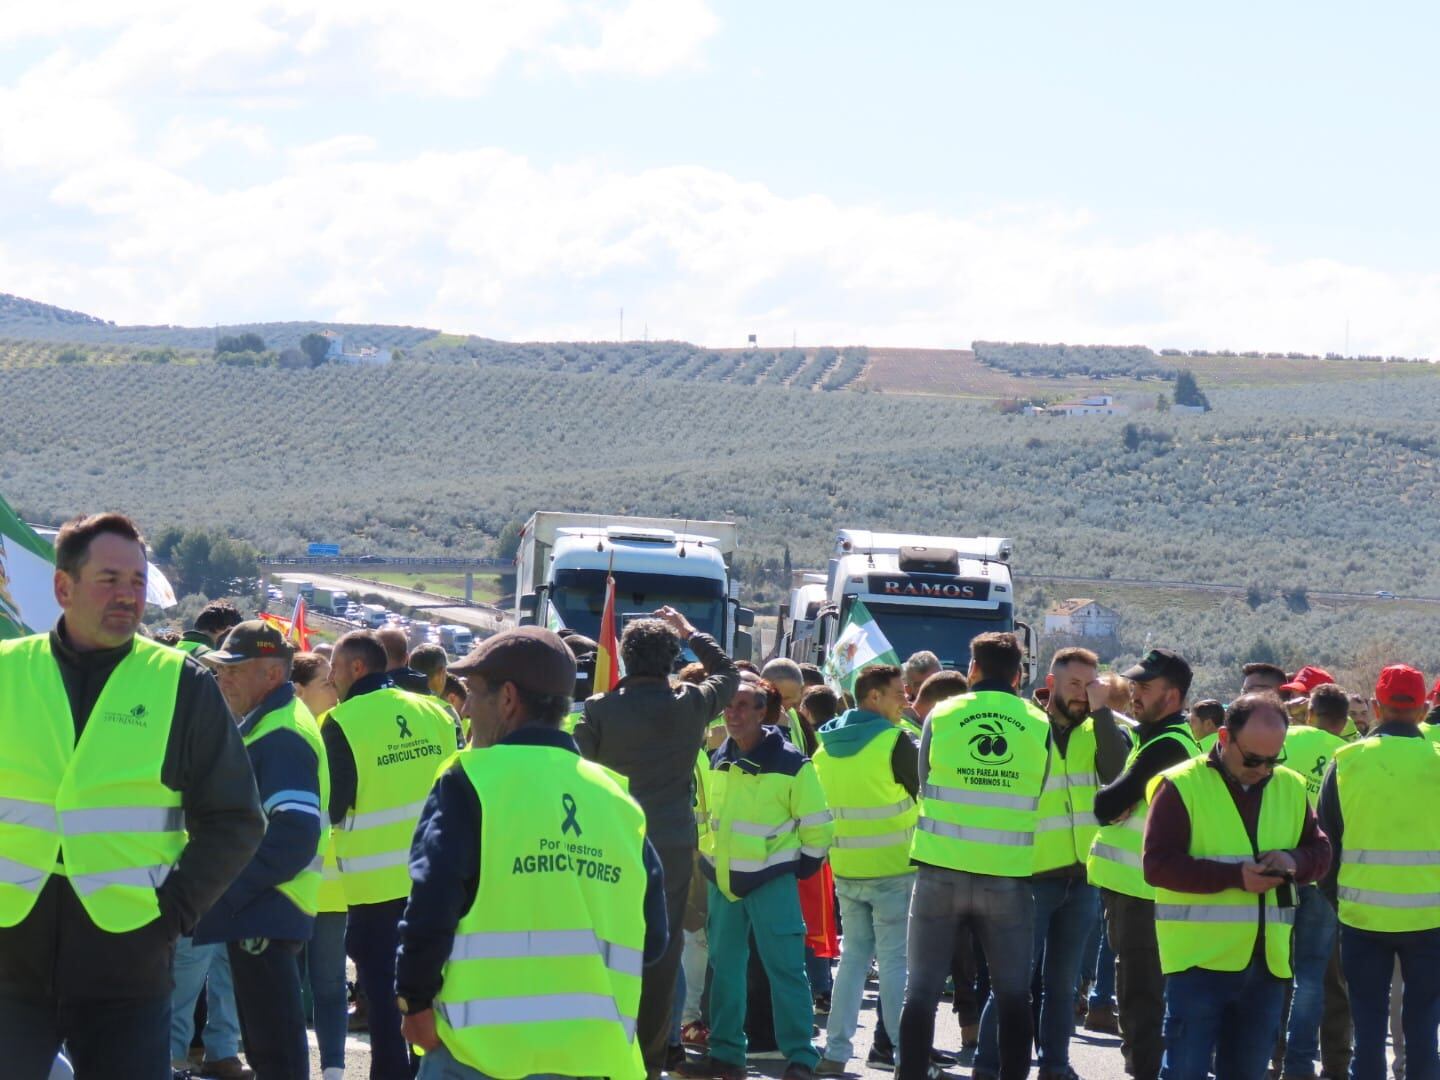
768, 816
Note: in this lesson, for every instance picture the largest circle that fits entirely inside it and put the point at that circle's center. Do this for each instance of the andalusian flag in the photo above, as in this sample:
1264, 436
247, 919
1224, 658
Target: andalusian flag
860, 644
607, 656
27, 578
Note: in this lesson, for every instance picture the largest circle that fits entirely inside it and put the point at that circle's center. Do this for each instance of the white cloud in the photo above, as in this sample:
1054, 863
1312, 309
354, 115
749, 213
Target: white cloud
485, 240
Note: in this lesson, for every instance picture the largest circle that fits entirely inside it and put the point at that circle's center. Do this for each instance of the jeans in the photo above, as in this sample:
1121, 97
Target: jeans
874, 913
657, 984
103, 1039
1102, 972
694, 961
440, 1064
819, 972
772, 914
1065, 910
206, 967
323, 964
372, 935
267, 991
1139, 981
1369, 961
1314, 940
1230, 1016
1002, 911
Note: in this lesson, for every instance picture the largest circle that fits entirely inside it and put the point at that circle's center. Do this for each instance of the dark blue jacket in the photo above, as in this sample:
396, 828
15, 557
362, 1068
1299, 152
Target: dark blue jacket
287, 774
445, 864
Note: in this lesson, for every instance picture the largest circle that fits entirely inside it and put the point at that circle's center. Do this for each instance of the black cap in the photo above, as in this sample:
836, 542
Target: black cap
253, 639
1161, 662
531, 657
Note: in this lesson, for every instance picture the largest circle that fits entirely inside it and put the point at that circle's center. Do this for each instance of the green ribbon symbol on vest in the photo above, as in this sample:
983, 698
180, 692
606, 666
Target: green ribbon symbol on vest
404, 726
569, 824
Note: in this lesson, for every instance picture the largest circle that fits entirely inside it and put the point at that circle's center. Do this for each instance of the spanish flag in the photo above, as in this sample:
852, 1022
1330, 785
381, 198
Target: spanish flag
607, 657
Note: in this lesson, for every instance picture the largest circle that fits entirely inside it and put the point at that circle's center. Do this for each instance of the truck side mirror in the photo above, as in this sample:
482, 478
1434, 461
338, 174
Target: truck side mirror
1027, 646
744, 646
744, 616
529, 604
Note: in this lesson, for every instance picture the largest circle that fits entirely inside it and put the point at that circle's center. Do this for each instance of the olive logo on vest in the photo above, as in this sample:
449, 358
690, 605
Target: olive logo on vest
569, 824
1320, 763
135, 717
404, 726
989, 745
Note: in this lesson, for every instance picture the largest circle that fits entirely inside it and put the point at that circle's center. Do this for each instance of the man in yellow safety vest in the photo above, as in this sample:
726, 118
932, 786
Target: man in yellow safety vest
1159, 685
536, 900
1228, 838
383, 746
127, 805
1377, 806
268, 913
983, 761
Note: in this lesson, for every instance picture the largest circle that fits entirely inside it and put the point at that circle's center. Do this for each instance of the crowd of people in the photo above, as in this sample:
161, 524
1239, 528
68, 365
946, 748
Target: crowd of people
670, 876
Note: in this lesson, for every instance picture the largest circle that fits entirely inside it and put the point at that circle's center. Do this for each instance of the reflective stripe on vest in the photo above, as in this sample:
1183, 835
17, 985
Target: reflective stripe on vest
1114, 861
544, 973
399, 740
874, 815
1217, 931
94, 810
986, 771
303, 890
1389, 879
1067, 825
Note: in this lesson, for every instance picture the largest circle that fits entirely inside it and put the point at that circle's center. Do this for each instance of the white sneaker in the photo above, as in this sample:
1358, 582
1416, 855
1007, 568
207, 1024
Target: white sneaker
334, 1072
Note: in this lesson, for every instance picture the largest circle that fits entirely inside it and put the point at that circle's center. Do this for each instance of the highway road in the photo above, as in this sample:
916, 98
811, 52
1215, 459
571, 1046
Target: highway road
1209, 587
482, 617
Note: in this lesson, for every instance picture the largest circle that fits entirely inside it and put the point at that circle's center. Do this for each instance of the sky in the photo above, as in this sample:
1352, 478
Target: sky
912, 174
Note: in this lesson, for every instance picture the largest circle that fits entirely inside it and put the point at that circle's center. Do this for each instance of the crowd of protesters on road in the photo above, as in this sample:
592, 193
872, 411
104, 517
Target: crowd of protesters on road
705, 865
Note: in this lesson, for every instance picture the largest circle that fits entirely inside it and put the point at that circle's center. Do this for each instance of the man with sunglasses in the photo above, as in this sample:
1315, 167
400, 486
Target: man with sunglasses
1228, 838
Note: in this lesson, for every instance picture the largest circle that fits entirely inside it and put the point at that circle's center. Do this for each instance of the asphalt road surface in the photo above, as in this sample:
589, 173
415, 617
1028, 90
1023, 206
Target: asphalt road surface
1094, 1057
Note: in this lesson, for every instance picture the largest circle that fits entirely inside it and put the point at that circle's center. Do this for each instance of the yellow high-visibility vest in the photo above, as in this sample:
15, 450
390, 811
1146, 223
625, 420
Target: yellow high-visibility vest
544, 973
1114, 861
399, 740
874, 816
94, 810
1066, 826
1217, 931
1389, 878
988, 755
303, 890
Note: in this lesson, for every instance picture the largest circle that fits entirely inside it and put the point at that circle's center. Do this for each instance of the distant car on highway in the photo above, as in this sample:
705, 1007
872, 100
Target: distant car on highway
368, 558
273, 593
1384, 594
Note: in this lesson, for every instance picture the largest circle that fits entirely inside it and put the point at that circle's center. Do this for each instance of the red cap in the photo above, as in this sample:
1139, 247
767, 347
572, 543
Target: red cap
1435, 692
1307, 679
1400, 686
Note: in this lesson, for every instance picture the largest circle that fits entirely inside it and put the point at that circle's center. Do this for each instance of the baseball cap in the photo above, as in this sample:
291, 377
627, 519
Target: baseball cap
1307, 679
251, 640
1435, 692
1158, 663
533, 658
1401, 687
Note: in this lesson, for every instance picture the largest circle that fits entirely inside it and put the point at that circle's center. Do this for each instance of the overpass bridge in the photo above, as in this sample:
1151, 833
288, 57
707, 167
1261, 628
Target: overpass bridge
364, 565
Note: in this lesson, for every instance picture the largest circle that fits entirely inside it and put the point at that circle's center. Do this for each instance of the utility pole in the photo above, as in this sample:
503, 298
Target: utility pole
1347, 336
622, 324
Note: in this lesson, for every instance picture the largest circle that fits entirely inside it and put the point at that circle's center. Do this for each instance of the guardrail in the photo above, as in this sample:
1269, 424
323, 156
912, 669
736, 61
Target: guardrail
428, 562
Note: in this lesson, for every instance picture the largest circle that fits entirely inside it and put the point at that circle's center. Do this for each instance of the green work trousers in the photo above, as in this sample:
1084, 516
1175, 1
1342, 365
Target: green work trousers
772, 914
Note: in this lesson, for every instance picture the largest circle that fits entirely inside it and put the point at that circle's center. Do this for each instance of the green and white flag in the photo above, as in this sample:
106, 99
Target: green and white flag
860, 644
27, 578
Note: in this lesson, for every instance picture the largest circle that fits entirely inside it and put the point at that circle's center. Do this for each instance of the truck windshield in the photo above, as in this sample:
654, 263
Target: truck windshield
945, 633
579, 599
